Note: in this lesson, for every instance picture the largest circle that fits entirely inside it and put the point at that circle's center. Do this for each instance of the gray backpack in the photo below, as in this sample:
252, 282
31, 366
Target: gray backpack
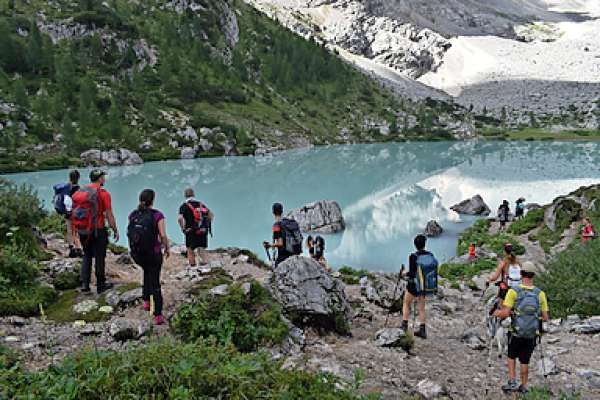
527, 313
292, 236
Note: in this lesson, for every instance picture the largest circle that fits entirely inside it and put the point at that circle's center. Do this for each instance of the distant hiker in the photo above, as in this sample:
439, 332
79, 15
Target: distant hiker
316, 249
287, 238
472, 253
63, 205
195, 220
503, 214
520, 208
91, 208
147, 237
587, 232
528, 307
422, 281
508, 270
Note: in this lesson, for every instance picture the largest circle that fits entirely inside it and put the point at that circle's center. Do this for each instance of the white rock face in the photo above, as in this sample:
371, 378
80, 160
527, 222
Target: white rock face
111, 157
321, 217
187, 153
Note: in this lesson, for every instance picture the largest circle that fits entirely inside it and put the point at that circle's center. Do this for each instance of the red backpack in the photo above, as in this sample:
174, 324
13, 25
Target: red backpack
85, 210
202, 224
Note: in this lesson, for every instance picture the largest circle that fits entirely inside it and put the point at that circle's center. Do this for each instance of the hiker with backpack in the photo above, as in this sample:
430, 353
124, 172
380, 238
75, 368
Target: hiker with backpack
422, 282
527, 305
63, 205
520, 208
195, 220
287, 238
316, 249
503, 214
92, 207
147, 237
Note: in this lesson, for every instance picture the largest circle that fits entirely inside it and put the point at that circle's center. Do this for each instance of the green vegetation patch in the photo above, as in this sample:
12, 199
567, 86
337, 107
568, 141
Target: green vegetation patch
247, 321
53, 223
351, 276
167, 369
117, 249
480, 234
62, 309
540, 393
572, 280
455, 272
529, 222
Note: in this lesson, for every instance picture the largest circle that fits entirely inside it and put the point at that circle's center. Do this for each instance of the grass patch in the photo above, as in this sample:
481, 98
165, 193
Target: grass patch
66, 280
455, 272
572, 280
62, 309
539, 393
53, 223
351, 276
168, 369
246, 321
117, 249
8, 358
541, 134
530, 221
480, 234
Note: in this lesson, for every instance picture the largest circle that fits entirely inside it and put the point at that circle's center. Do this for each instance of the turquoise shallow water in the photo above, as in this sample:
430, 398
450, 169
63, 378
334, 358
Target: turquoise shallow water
388, 192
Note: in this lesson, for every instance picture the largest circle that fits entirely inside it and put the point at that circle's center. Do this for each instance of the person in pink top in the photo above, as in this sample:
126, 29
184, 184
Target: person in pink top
587, 232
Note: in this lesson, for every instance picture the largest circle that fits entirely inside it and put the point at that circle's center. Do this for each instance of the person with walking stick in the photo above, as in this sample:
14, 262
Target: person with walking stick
527, 305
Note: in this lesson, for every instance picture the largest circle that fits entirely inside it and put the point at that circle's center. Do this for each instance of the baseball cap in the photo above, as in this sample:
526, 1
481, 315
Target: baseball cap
96, 174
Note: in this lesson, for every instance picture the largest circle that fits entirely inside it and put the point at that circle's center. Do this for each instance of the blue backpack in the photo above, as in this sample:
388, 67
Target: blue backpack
61, 191
426, 280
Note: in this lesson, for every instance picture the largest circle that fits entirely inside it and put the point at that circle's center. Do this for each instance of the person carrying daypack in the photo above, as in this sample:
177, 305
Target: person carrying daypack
63, 205
287, 238
147, 236
92, 206
503, 214
422, 282
520, 208
195, 220
527, 305
316, 249
508, 271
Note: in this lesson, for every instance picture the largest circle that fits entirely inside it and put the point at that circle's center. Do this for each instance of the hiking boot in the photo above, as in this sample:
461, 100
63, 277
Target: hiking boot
522, 389
79, 253
404, 326
104, 287
422, 333
146, 305
85, 290
72, 253
511, 386
159, 320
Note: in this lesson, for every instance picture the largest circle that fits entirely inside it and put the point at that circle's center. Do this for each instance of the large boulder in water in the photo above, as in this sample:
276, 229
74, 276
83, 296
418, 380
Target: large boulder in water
310, 296
433, 229
320, 217
473, 206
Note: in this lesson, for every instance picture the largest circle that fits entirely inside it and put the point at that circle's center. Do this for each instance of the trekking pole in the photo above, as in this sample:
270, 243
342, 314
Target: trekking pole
394, 296
542, 355
491, 329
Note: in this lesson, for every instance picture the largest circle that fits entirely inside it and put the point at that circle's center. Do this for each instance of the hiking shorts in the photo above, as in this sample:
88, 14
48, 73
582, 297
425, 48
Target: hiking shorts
194, 241
411, 288
521, 348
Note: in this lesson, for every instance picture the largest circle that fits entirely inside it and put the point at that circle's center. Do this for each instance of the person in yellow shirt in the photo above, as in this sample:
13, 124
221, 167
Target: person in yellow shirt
528, 306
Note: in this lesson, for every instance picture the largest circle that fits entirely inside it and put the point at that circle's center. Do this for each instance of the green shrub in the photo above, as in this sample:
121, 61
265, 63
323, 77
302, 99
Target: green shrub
8, 358
351, 276
53, 223
167, 369
246, 321
526, 224
480, 235
572, 280
66, 280
455, 272
117, 249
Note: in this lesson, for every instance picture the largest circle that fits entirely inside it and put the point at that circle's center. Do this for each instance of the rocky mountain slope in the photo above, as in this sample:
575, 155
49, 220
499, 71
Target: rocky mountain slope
182, 79
504, 57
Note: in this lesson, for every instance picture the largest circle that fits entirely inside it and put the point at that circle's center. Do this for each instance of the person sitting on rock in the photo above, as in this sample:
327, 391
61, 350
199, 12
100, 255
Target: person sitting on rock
412, 291
316, 249
528, 307
587, 232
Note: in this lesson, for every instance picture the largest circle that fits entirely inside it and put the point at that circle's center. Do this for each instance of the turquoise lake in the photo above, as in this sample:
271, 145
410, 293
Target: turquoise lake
388, 192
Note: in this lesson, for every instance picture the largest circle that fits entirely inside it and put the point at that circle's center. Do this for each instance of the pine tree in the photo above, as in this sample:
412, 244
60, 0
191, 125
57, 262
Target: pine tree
35, 50
68, 131
20, 94
87, 107
115, 128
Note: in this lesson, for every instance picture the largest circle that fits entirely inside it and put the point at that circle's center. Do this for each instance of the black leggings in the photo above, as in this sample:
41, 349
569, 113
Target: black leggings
94, 249
152, 266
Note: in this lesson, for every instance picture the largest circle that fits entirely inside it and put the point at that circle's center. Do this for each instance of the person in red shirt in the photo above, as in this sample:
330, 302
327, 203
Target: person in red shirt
587, 232
96, 242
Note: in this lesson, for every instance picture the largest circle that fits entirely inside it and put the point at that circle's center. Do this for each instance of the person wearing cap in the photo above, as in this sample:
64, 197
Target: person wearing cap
508, 270
190, 221
96, 243
278, 235
521, 347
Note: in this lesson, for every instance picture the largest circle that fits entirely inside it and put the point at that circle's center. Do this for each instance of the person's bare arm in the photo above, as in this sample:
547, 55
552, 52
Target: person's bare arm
545, 316
181, 222
112, 223
497, 273
503, 312
162, 231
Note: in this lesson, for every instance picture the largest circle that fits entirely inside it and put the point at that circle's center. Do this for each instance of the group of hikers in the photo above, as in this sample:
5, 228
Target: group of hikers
504, 215
88, 211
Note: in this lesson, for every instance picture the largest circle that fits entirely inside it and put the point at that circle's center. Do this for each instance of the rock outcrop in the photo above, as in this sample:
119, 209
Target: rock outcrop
309, 296
97, 157
565, 210
320, 217
392, 337
433, 229
473, 206
383, 290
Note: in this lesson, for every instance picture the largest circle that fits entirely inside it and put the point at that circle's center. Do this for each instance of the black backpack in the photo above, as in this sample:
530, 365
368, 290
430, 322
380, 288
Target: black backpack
292, 236
142, 233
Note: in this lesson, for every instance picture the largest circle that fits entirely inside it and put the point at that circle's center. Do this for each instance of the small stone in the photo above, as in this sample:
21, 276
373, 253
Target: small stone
246, 287
429, 389
91, 330
547, 367
17, 321
12, 339
390, 337
130, 297
243, 258
112, 298
123, 329
79, 323
28, 346
106, 309
124, 259
85, 307
220, 290
592, 377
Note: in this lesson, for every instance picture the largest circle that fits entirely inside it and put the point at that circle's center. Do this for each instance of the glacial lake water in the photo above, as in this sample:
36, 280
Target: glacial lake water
387, 192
